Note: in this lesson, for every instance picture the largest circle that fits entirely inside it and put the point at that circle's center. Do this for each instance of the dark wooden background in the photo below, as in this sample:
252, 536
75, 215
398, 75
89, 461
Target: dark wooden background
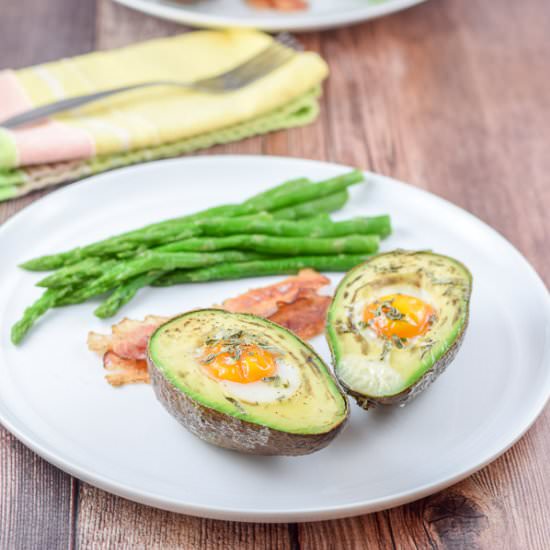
452, 96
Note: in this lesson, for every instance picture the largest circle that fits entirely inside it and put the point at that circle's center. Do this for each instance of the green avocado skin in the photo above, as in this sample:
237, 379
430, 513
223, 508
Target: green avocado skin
438, 367
229, 432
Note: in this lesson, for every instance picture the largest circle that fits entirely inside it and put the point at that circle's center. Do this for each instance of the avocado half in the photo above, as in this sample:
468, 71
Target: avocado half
297, 411
378, 369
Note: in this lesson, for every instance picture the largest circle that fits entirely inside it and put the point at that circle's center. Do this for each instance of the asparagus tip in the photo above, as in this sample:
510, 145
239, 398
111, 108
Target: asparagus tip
101, 313
17, 333
31, 265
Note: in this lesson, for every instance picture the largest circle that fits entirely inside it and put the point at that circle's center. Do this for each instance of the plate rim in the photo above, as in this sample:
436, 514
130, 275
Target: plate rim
168, 10
318, 513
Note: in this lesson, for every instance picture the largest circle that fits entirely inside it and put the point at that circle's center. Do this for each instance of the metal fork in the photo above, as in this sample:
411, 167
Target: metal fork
273, 56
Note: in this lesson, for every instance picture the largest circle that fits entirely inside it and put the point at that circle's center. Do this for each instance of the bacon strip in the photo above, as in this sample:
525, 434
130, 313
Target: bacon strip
265, 301
305, 316
129, 338
124, 371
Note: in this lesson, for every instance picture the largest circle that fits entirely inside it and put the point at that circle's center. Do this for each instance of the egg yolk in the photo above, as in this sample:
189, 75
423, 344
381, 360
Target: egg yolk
399, 315
244, 364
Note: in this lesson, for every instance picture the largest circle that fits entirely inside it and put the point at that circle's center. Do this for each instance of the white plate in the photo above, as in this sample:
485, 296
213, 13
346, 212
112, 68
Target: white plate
322, 14
53, 396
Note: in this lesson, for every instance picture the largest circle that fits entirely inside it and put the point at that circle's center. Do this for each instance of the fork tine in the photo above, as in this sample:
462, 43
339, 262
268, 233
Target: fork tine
273, 64
288, 40
264, 57
265, 61
265, 65
214, 81
283, 42
283, 47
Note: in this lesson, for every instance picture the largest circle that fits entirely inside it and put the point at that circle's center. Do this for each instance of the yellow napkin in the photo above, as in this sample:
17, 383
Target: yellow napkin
149, 123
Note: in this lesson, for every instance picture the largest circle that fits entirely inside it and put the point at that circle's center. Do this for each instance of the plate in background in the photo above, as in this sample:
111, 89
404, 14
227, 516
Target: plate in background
322, 14
53, 396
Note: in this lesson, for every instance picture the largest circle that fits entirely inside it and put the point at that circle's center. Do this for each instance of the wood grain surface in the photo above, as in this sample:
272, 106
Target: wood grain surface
452, 96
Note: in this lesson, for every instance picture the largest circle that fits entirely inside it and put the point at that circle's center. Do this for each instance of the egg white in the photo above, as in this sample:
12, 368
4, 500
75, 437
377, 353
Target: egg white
370, 376
266, 390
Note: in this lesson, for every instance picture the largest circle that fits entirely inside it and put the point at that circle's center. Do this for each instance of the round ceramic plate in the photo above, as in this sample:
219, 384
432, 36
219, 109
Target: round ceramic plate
321, 14
54, 398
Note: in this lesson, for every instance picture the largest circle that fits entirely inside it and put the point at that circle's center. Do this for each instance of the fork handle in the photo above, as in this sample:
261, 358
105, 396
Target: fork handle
77, 101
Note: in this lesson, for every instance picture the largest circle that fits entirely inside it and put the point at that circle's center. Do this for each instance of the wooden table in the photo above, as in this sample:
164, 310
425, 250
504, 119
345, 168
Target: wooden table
452, 96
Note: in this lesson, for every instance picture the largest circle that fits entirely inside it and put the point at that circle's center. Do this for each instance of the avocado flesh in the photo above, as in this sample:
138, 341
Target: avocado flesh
374, 369
316, 406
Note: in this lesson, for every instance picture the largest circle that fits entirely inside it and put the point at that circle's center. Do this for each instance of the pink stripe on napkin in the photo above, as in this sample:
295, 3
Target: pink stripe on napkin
44, 142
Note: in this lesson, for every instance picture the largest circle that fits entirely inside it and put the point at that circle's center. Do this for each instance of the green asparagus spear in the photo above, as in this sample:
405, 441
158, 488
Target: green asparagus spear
310, 227
35, 311
76, 274
307, 193
124, 293
283, 188
282, 246
275, 266
113, 245
330, 203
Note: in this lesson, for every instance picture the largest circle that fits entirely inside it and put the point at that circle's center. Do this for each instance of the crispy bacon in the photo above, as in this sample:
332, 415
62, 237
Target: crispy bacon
265, 301
100, 343
124, 371
305, 316
129, 337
